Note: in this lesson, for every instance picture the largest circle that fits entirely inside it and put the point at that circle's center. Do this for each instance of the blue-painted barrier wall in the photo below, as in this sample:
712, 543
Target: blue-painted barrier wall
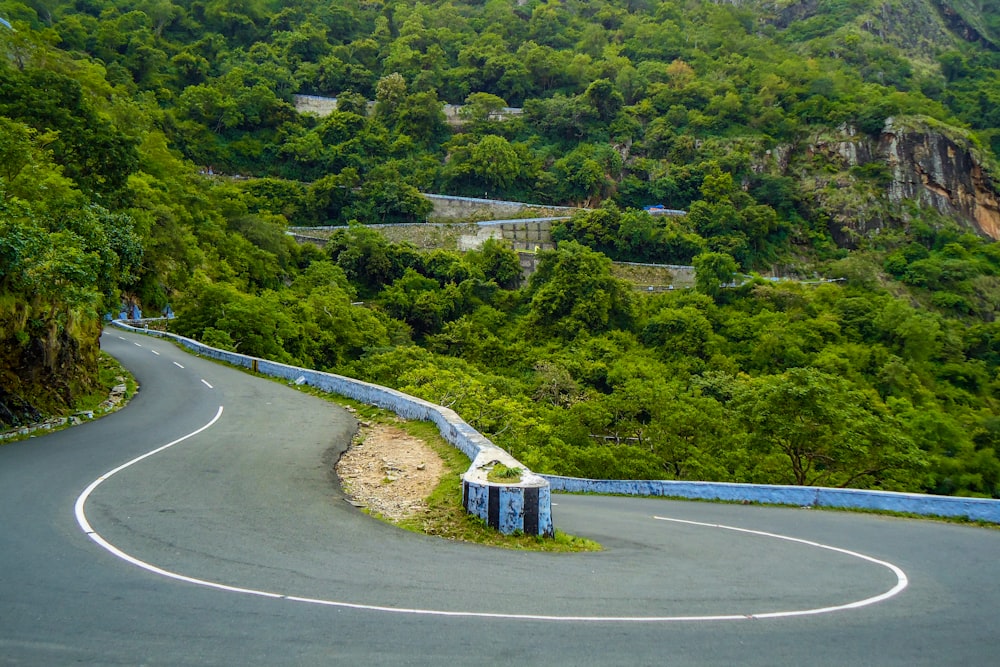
508, 515
975, 509
511, 514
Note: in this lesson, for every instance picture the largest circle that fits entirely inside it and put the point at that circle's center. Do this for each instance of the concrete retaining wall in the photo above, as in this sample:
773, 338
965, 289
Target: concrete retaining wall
324, 106
974, 509
654, 277
448, 208
511, 512
522, 234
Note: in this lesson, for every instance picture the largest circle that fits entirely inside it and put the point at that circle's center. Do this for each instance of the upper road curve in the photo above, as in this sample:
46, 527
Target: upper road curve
231, 544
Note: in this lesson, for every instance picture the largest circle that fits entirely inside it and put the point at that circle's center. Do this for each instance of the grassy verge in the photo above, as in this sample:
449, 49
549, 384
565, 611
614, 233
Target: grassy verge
110, 374
446, 518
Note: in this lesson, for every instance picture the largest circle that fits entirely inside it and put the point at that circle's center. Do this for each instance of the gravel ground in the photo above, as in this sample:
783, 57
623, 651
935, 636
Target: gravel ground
389, 471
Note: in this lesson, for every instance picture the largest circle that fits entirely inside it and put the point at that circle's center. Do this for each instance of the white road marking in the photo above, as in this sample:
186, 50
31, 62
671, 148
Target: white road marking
205, 382
123, 338
136, 344
155, 352
902, 581
178, 365
81, 518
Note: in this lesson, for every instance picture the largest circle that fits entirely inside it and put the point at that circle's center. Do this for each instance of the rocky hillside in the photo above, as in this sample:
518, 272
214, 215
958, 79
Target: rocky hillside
920, 28
43, 371
973, 20
865, 184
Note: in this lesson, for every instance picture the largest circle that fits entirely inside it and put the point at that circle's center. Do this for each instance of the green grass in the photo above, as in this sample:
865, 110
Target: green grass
109, 375
501, 474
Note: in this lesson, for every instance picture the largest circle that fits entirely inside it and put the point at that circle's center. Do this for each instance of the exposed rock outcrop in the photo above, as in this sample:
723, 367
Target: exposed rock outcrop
936, 170
44, 369
864, 184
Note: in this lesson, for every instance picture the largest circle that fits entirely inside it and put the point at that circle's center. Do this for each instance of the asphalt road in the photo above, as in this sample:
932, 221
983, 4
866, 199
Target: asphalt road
233, 545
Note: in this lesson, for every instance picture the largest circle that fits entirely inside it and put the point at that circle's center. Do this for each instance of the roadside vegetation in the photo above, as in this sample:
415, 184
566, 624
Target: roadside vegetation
113, 389
445, 517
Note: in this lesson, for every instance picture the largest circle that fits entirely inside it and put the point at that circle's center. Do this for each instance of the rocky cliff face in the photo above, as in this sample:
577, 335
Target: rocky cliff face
865, 184
937, 171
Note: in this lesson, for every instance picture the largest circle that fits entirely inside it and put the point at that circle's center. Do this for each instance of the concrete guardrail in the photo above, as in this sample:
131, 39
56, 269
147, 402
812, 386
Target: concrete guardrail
974, 509
526, 506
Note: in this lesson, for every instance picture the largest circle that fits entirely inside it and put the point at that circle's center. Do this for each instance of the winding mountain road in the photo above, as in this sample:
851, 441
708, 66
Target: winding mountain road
201, 525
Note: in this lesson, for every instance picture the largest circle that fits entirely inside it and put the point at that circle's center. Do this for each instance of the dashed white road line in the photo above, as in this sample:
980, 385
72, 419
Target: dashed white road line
205, 382
136, 344
178, 365
81, 518
155, 352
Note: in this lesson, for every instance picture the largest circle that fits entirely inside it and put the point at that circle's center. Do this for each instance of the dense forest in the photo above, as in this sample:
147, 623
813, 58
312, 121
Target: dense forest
151, 153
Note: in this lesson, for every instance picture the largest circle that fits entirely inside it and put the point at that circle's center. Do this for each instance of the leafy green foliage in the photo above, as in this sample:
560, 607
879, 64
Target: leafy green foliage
92, 151
714, 271
632, 235
831, 433
573, 292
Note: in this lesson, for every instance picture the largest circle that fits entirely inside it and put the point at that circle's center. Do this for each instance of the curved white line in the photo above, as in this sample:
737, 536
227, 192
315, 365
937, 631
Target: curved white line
81, 518
902, 581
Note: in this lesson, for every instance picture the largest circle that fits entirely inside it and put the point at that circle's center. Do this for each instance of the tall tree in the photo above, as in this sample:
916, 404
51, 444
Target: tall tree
828, 432
573, 292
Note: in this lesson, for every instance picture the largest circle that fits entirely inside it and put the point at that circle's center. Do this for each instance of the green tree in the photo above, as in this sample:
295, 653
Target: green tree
480, 108
607, 101
713, 271
495, 162
499, 263
368, 259
332, 330
421, 302
421, 117
573, 292
828, 432
93, 151
390, 91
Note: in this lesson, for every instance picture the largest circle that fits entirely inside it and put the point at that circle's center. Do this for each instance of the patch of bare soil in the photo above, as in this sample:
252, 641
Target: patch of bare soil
389, 471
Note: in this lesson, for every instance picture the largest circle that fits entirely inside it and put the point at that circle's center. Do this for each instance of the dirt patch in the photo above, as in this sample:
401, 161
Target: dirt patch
389, 471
